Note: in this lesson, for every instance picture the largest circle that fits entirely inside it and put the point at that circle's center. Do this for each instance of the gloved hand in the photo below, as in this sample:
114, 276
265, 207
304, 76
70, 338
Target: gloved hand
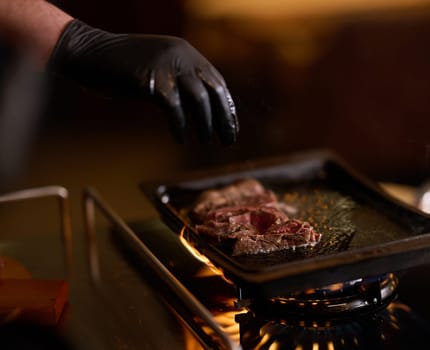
165, 68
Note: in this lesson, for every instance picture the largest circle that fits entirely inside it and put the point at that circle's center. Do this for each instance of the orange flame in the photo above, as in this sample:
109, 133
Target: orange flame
202, 258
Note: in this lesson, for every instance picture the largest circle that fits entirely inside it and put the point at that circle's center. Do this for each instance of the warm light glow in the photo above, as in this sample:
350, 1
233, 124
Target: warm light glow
229, 325
276, 9
226, 321
275, 346
224, 314
264, 339
425, 203
332, 287
335, 286
401, 306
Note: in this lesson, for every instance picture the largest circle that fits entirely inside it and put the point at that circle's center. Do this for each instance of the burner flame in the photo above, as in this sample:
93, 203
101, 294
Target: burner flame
201, 257
194, 252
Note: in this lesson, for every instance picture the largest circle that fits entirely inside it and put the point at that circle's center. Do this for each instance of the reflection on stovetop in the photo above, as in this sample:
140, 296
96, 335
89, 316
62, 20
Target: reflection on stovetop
386, 323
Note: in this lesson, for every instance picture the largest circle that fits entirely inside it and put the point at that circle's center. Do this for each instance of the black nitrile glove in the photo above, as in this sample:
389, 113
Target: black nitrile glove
166, 68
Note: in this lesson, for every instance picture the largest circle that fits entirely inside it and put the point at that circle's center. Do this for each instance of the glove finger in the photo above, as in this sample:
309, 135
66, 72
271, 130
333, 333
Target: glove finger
165, 89
193, 90
232, 108
224, 112
230, 101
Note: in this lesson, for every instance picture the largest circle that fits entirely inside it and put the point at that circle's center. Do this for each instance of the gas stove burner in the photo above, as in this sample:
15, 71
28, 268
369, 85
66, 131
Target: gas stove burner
396, 327
336, 301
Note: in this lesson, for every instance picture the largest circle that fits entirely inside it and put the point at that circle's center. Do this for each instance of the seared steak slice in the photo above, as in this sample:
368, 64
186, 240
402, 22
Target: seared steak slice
296, 227
244, 238
242, 192
258, 243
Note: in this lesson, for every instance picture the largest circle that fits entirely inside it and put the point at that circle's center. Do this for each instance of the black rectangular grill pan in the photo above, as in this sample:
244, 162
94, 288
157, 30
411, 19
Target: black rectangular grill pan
366, 232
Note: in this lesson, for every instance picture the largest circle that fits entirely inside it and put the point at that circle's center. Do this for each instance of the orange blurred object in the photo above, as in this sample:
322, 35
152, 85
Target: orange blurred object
25, 299
35, 301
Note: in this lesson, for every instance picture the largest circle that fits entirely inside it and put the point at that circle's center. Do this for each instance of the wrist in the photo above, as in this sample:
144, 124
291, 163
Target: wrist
32, 25
51, 23
77, 39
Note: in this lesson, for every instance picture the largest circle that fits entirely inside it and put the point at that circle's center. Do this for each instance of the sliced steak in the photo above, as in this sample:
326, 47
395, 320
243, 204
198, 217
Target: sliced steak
249, 219
242, 192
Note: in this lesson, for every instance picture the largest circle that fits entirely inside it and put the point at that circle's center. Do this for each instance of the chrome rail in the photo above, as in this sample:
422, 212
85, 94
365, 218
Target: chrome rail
62, 194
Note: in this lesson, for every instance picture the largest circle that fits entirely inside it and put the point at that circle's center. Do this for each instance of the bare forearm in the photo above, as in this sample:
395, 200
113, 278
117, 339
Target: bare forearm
33, 25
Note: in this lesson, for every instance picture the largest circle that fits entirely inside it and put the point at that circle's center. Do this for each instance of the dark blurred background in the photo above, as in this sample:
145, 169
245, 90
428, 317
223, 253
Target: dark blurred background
352, 76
